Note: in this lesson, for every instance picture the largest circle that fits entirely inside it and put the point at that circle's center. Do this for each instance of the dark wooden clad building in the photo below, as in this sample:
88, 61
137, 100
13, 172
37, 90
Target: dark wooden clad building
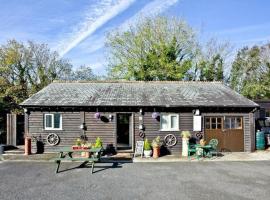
120, 113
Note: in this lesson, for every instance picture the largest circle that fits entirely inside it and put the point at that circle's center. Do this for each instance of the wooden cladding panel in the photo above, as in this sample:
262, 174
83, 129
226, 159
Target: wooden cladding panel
152, 129
70, 129
102, 128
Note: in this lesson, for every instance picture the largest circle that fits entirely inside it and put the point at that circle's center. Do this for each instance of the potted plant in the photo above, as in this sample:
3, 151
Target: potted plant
147, 150
156, 144
98, 143
185, 142
77, 145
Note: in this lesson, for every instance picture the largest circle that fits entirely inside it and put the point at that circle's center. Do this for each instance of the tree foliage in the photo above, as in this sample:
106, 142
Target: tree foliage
84, 73
250, 73
154, 49
27, 68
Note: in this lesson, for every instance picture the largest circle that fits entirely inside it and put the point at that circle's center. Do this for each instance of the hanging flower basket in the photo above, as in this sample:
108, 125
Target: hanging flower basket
155, 115
97, 115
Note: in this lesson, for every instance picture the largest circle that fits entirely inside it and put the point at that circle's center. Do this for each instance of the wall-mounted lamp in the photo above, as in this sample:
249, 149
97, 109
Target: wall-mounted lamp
83, 126
196, 112
110, 118
141, 127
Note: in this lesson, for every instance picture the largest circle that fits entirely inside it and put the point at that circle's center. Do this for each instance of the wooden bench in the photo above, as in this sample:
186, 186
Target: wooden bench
91, 160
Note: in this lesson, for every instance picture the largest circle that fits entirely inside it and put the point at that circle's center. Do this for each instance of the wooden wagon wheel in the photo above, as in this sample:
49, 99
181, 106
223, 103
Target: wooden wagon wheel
170, 140
53, 139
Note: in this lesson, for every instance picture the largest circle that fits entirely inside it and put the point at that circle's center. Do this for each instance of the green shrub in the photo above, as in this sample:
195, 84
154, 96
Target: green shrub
147, 145
78, 142
98, 143
156, 142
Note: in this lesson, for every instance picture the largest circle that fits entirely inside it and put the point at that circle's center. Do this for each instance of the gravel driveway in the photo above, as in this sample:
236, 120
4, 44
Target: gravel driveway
184, 180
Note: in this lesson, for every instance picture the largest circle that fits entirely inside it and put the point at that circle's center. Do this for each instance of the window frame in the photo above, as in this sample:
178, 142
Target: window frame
216, 123
235, 121
52, 115
169, 115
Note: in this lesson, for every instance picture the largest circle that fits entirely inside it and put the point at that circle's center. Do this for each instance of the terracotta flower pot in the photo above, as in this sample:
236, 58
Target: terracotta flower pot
156, 152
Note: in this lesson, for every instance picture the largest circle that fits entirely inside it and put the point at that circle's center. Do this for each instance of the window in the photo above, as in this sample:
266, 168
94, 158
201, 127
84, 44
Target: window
233, 123
53, 121
169, 122
267, 113
213, 123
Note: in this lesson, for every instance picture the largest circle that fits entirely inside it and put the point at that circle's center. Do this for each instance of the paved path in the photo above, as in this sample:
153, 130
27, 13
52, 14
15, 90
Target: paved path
183, 180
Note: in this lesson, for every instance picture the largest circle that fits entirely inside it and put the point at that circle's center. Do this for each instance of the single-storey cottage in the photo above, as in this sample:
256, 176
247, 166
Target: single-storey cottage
123, 112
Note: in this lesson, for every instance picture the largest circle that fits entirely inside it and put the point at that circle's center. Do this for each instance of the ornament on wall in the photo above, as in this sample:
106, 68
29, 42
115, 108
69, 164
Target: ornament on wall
53, 139
170, 140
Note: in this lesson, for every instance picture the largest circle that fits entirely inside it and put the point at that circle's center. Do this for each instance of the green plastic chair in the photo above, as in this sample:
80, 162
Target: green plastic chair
214, 149
191, 149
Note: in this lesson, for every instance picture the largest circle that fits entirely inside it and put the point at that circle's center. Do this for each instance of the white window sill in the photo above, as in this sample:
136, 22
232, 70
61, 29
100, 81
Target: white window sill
53, 129
170, 130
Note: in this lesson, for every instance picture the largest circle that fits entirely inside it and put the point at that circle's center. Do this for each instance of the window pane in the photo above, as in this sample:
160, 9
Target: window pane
238, 123
227, 124
174, 124
213, 123
164, 122
233, 123
207, 123
57, 120
48, 121
219, 126
267, 113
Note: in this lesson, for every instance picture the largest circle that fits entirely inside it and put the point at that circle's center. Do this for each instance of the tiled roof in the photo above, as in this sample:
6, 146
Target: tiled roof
138, 93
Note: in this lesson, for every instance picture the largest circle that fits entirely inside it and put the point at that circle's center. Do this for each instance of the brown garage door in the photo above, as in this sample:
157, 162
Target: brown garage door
228, 131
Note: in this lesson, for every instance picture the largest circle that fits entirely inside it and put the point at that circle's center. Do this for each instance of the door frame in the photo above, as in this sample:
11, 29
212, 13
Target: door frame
132, 125
222, 134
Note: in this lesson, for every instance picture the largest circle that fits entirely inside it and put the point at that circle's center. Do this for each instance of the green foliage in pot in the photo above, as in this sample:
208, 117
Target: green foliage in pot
156, 142
185, 134
78, 142
98, 143
147, 145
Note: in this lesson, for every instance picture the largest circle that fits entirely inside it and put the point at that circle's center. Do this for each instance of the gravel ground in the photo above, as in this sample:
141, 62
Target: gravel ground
182, 180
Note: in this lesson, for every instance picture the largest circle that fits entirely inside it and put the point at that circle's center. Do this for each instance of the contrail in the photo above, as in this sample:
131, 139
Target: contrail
151, 9
96, 17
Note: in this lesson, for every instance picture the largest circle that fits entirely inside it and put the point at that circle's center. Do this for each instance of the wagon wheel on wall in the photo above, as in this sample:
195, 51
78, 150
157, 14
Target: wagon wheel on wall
170, 140
53, 139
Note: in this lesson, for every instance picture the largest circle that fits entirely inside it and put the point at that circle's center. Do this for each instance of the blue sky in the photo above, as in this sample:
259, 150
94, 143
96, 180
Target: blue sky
77, 29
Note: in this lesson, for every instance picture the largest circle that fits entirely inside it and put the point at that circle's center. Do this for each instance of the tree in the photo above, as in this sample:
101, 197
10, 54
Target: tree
210, 61
154, 49
84, 73
250, 73
27, 68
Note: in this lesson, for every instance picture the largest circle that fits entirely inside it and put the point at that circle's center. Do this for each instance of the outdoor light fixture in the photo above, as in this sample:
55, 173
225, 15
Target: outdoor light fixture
141, 111
141, 127
97, 115
82, 126
196, 112
110, 117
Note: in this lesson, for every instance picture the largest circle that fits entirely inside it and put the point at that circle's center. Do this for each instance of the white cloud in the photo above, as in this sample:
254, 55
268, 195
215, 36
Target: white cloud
95, 17
151, 9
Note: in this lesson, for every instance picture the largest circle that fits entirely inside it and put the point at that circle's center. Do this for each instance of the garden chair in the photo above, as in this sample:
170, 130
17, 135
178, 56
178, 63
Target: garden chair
214, 145
191, 149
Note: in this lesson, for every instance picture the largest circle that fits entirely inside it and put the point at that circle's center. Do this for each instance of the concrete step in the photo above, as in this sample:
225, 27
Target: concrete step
14, 152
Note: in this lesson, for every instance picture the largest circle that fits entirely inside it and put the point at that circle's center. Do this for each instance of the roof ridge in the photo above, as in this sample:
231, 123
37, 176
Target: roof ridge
127, 81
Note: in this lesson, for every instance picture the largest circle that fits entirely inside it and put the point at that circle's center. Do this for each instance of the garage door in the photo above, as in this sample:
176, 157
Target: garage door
228, 131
